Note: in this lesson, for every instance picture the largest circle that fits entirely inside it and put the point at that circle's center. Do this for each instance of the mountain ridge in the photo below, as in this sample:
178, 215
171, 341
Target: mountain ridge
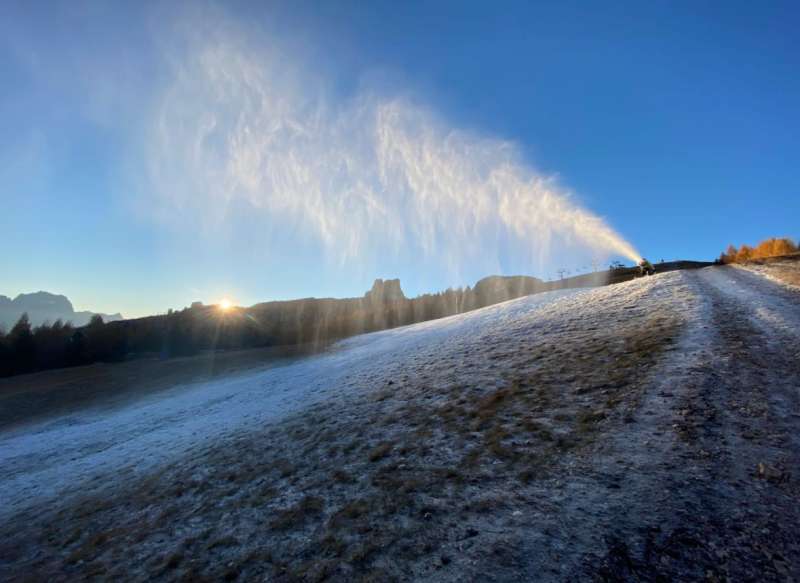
43, 306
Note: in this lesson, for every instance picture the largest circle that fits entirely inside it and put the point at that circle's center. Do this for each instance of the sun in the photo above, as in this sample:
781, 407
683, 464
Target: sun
225, 304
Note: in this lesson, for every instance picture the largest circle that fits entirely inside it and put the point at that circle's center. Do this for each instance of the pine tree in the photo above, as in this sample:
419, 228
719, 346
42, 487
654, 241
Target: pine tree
23, 346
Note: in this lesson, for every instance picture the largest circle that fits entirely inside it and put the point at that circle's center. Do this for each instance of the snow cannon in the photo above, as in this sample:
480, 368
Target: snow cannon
646, 268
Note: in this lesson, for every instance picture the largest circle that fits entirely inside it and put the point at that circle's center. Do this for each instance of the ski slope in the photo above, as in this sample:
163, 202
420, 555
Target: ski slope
657, 417
90, 451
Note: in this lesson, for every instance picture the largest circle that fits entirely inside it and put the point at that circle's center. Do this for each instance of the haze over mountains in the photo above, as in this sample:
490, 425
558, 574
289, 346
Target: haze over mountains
44, 307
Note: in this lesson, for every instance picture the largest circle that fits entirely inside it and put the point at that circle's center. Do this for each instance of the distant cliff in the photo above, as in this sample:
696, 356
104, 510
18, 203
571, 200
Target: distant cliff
385, 291
44, 307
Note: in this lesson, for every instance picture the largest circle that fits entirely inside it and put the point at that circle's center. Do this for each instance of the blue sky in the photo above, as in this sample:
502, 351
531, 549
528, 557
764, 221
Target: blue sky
677, 123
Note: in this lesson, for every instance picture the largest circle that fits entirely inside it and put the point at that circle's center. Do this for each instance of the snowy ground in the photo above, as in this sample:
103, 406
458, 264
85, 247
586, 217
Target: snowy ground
640, 431
92, 450
783, 270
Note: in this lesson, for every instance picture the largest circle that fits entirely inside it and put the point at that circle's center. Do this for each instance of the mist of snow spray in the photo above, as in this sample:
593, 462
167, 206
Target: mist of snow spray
245, 127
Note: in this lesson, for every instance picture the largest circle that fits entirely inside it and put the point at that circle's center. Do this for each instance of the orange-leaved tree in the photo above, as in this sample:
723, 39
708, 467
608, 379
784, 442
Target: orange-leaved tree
768, 248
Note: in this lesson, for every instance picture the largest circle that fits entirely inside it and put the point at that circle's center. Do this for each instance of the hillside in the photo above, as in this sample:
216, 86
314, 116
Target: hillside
303, 324
316, 321
640, 431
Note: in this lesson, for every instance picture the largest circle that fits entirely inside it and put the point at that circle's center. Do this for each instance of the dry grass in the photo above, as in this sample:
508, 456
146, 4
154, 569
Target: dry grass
785, 269
381, 451
350, 495
298, 514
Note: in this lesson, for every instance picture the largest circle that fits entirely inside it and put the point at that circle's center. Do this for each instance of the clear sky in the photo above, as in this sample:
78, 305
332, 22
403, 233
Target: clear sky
155, 154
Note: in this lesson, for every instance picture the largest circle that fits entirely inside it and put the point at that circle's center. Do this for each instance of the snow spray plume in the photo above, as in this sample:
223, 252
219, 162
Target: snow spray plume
364, 175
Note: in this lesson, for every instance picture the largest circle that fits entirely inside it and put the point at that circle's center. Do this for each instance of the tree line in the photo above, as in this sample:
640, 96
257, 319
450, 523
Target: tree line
26, 348
308, 322
768, 248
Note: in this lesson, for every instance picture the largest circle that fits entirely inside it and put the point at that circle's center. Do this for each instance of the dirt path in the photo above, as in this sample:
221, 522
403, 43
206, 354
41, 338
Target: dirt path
704, 484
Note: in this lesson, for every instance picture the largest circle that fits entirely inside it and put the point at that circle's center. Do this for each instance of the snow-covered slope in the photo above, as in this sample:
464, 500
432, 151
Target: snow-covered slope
643, 431
92, 450
781, 270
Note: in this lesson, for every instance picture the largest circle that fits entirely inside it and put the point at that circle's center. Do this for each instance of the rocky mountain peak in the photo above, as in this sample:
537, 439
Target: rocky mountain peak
385, 291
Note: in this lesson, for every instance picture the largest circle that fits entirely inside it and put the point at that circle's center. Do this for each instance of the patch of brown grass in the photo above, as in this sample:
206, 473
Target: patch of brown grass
297, 515
349, 512
339, 475
225, 541
380, 451
284, 467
